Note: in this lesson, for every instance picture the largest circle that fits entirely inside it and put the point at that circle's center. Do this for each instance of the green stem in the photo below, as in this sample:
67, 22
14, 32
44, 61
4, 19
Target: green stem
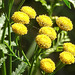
26, 58
59, 66
9, 35
21, 4
2, 54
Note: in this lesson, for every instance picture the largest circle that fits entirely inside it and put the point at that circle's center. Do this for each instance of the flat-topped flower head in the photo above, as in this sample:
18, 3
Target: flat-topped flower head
69, 47
20, 17
64, 23
47, 65
19, 29
43, 41
49, 31
44, 20
29, 11
66, 57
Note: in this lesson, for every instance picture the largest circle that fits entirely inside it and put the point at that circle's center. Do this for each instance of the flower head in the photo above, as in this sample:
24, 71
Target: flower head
64, 23
47, 65
20, 17
29, 11
43, 41
66, 57
49, 31
19, 29
44, 20
69, 47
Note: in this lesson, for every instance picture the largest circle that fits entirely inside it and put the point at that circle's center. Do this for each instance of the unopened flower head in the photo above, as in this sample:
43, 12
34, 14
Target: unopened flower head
19, 29
44, 20
49, 31
20, 17
29, 11
64, 23
43, 41
69, 47
66, 57
47, 65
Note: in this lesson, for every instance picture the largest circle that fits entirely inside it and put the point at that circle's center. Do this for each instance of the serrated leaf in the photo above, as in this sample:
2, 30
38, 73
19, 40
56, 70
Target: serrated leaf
73, 2
67, 3
3, 48
2, 60
20, 69
2, 21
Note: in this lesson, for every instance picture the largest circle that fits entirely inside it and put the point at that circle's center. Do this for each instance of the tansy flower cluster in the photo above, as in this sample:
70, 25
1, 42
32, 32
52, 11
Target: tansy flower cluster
22, 17
67, 57
47, 65
64, 23
45, 31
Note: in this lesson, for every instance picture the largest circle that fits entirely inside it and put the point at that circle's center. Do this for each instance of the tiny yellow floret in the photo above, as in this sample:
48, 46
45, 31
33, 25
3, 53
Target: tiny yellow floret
66, 57
20, 17
29, 11
43, 41
44, 20
47, 65
64, 23
69, 47
49, 31
19, 29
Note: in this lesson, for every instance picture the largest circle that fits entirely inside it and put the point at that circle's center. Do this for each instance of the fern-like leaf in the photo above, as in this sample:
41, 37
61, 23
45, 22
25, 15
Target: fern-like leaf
20, 69
2, 60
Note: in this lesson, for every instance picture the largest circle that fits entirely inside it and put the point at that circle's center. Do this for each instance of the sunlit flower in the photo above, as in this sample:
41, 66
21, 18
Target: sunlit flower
47, 65
19, 29
29, 11
66, 57
20, 17
49, 31
44, 20
43, 41
69, 47
64, 23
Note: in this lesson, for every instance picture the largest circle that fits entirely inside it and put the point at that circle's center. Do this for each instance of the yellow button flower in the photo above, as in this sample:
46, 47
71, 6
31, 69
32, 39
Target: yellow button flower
66, 57
19, 29
44, 20
43, 41
69, 47
29, 11
47, 65
64, 23
49, 31
20, 17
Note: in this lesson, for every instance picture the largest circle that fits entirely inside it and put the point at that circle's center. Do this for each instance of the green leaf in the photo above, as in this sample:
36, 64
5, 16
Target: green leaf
2, 60
20, 69
0, 4
73, 2
2, 21
3, 48
67, 3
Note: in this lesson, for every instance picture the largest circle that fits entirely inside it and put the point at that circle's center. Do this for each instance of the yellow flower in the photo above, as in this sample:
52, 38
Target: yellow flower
29, 11
19, 29
44, 20
49, 31
43, 41
66, 57
47, 65
20, 17
69, 47
64, 23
